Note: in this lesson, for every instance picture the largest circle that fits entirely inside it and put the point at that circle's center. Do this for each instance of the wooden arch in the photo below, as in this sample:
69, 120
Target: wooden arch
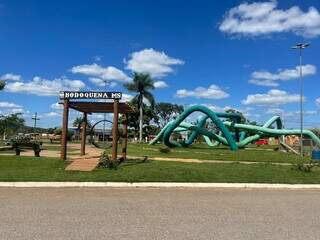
86, 108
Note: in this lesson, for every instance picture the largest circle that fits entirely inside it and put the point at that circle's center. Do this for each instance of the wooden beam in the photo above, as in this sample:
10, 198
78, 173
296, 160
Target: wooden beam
64, 133
115, 130
99, 107
125, 136
83, 134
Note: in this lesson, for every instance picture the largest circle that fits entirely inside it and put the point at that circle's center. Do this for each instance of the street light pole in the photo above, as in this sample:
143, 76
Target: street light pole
301, 46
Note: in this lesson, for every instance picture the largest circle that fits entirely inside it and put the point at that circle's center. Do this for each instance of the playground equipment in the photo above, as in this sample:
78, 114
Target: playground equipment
230, 131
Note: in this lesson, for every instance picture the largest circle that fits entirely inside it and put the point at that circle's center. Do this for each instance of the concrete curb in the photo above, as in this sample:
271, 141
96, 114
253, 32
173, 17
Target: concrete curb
156, 185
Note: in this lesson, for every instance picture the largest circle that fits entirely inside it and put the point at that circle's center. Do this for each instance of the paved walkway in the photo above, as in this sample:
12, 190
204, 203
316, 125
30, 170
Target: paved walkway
83, 164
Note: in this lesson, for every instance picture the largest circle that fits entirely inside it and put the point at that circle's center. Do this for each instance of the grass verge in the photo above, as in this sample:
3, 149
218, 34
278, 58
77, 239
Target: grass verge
21, 168
203, 152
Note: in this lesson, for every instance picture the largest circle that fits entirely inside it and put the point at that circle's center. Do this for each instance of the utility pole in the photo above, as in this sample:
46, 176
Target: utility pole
300, 47
35, 124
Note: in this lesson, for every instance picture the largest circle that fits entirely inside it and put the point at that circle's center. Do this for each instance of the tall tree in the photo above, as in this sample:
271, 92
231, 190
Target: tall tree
142, 84
243, 118
2, 84
11, 124
149, 115
77, 123
166, 111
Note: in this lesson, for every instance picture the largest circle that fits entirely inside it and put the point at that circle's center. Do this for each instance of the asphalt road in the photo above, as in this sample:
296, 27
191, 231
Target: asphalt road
86, 213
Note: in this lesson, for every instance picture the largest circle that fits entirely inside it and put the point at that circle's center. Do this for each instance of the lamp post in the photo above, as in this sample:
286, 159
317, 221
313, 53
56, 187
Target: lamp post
300, 47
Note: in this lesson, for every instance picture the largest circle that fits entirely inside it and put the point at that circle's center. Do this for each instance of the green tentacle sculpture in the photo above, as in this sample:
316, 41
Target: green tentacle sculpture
231, 132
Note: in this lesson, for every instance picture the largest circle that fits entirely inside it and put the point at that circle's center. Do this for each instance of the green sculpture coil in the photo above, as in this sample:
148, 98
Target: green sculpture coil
231, 133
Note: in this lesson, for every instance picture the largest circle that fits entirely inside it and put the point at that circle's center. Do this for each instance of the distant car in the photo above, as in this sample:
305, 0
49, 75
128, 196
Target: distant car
262, 142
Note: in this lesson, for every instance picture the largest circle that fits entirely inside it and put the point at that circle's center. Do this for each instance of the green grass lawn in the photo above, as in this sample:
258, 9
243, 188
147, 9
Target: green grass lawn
14, 168
202, 151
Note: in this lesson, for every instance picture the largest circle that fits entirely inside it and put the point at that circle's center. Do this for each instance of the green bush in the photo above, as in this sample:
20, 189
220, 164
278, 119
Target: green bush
305, 167
106, 162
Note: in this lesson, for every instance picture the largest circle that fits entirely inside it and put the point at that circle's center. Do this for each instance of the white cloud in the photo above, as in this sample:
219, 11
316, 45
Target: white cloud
197, 115
262, 18
245, 111
310, 112
98, 81
13, 110
9, 105
276, 111
10, 77
56, 106
272, 97
105, 73
102, 83
216, 108
265, 78
318, 101
157, 64
52, 114
213, 92
16, 110
99, 116
126, 97
266, 83
43, 87
160, 84
294, 114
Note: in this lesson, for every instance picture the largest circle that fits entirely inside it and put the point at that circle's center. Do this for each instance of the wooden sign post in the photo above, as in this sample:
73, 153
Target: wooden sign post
115, 130
64, 129
84, 134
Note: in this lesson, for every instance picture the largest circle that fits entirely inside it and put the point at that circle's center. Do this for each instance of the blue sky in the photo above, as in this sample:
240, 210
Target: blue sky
219, 53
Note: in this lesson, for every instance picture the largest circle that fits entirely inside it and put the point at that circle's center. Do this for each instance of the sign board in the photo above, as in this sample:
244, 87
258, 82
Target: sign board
90, 95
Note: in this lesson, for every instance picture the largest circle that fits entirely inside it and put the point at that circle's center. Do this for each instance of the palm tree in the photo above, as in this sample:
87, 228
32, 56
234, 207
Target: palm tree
142, 84
2, 84
77, 123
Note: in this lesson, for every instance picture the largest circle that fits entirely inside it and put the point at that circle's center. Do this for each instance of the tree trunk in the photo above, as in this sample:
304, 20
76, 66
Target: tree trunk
140, 123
